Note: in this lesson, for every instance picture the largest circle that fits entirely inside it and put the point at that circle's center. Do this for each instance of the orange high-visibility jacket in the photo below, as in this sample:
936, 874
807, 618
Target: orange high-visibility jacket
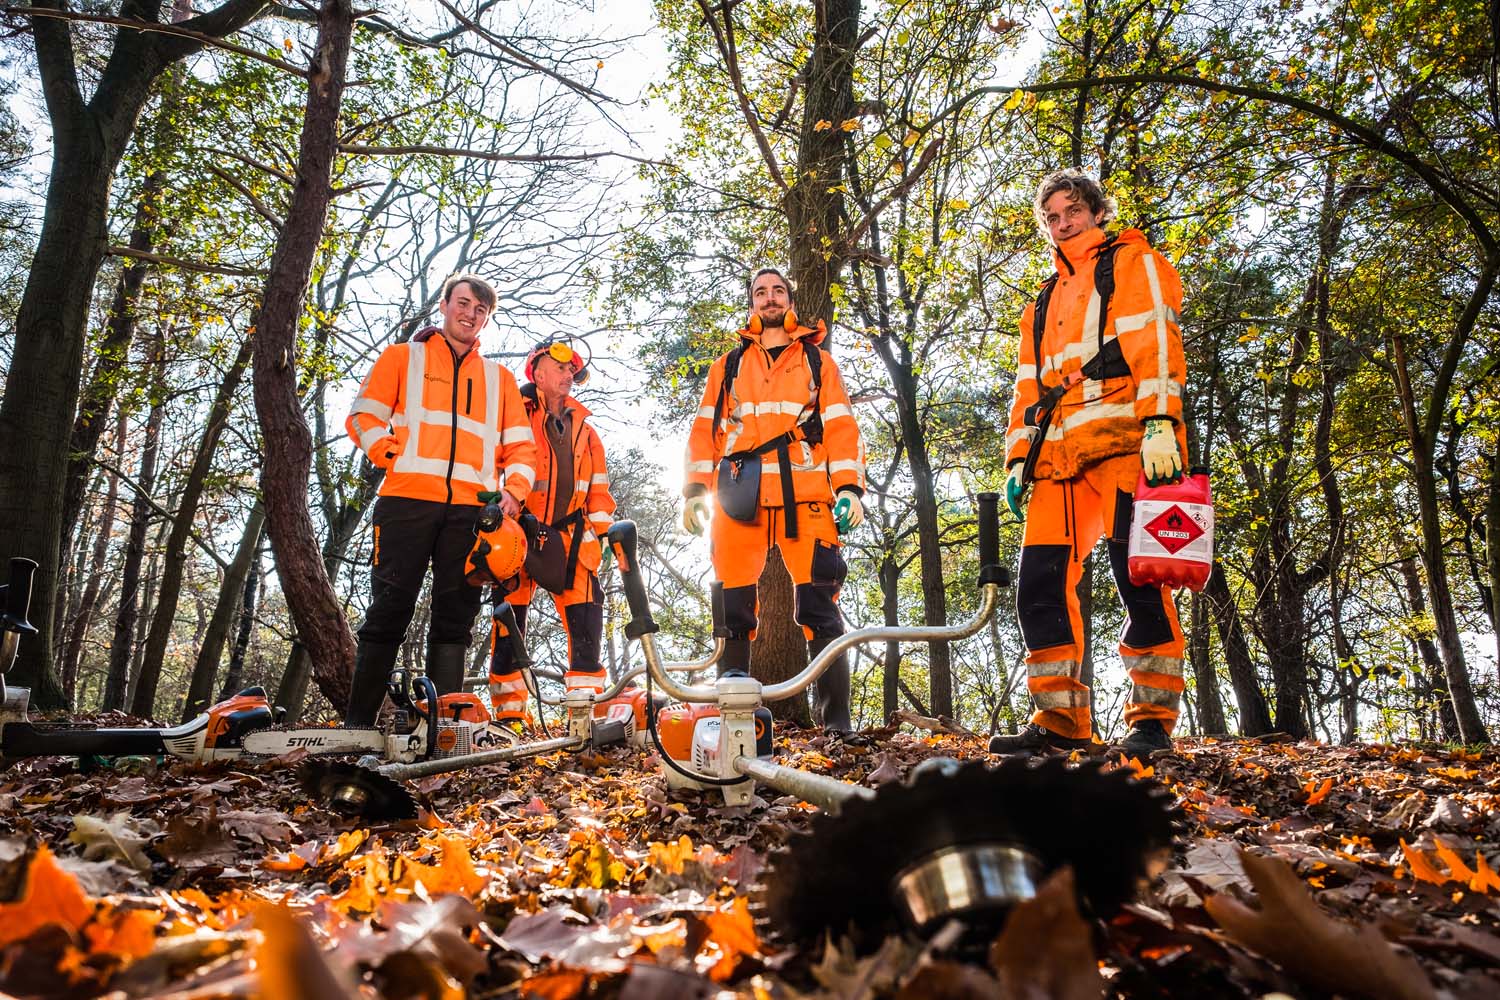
590, 487
769, 398
453, 436
1098, 419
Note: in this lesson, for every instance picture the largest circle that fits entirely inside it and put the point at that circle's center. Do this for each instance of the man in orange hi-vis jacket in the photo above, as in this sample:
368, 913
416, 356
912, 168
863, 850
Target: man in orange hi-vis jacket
776, 445
571, 499
445, 424
1098, 398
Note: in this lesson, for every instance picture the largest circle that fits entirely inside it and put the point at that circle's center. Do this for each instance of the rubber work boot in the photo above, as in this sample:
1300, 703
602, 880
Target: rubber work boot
1036, 739
373, 662
445, 666
1145, 738
831, 695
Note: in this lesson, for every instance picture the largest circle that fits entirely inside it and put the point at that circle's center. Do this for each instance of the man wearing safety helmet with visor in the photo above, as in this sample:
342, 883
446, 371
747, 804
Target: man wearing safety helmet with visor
566, 515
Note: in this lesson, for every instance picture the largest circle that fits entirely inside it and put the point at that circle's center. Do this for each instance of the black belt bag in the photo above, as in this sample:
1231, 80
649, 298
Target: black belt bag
739, 482
550, 561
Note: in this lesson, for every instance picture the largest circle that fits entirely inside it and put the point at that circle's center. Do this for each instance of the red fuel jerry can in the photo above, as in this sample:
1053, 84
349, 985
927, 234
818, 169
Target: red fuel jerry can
1172, 533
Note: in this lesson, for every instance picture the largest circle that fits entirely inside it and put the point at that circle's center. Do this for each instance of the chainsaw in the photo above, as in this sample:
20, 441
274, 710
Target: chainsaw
953, 845
244, 725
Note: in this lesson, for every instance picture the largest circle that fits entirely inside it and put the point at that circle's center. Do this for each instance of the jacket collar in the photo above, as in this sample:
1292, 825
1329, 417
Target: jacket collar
428, 332
812, 334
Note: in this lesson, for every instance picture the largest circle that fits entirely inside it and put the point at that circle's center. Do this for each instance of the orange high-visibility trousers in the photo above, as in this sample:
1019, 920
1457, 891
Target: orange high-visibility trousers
1064, 520
581, 610
813, 560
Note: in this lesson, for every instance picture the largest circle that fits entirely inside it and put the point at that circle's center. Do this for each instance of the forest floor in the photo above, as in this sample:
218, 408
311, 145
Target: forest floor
1306, 870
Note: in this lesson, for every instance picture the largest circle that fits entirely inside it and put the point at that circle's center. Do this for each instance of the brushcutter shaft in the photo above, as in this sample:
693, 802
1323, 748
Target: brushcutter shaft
819, 789
441, 765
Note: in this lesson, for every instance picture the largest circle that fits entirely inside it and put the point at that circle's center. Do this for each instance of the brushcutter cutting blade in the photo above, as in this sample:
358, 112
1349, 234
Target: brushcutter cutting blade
356, 792
967, 841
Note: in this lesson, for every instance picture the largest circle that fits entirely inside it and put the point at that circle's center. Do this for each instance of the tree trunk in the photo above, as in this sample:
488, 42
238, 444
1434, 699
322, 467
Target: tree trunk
924, 501
890, 594
113, 353
1432, 664
780, 649
78, 627
315, 608
41, 389
234, 676
128, 607
143, 618
1086, 614
1255, 716
291, 693
175, 555
231, 597
1205, 680
814, 204
1470, 725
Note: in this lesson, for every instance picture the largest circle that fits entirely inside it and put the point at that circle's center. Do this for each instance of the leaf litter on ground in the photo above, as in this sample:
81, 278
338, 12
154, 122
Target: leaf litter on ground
562, 877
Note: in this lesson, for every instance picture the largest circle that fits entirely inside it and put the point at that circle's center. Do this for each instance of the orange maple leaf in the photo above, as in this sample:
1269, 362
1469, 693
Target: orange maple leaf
50, 895
124, 932
559, 984
1485, 877
1421, 868
732, 931
454, 872
1317, 793
1457, 870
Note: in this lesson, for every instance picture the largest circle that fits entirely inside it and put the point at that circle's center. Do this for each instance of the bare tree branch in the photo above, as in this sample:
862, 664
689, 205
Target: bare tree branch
186, 265
162, 29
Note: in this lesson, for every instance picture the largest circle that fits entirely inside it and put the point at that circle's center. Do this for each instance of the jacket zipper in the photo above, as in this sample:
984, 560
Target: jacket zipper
453, 426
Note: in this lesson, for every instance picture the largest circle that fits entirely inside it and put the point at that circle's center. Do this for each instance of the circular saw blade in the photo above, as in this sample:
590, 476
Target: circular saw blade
1114, 830
356, 792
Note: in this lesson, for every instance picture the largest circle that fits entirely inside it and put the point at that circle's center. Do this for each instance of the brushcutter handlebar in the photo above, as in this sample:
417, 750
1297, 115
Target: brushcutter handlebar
622, 542
990, 569
18, 596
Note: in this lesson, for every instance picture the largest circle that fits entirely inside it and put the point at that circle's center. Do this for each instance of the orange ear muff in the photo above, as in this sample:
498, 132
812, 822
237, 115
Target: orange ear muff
791, 319
754, 325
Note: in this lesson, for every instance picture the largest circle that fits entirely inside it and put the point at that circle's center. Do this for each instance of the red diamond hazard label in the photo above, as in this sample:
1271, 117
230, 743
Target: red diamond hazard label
1173, 529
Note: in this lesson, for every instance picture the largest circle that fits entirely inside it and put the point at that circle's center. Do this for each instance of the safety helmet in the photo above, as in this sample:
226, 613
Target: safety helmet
497, 555
564, 350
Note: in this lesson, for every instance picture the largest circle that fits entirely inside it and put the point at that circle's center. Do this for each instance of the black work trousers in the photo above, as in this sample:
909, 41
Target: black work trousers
410, 535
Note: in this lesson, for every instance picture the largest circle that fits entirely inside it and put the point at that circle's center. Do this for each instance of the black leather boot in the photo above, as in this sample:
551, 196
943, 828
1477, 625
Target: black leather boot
373, 662
445, 666
831, 695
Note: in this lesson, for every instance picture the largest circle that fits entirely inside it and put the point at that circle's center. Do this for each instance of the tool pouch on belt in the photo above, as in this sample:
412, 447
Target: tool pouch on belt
739, 485
550, 561
739, 482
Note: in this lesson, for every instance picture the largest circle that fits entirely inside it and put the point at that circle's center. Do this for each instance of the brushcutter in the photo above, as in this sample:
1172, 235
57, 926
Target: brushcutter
964, 841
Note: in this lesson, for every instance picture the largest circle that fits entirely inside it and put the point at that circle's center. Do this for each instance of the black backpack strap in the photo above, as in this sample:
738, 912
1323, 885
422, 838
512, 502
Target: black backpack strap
1038, 327
812, 427
731, 369
1109, 359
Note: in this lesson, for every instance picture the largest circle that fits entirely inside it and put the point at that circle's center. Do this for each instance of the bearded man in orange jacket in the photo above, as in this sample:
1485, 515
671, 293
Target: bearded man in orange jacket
777, 451
1098, 398
445, 424
571, 499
